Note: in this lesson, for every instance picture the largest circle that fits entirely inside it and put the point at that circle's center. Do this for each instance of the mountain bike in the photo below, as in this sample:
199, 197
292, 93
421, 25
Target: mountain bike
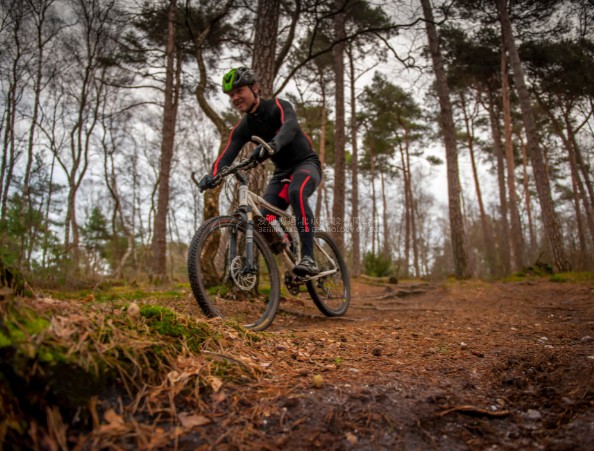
234, 260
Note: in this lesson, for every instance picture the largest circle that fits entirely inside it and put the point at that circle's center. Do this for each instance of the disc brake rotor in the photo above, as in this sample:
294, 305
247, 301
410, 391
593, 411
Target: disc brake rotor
243, 280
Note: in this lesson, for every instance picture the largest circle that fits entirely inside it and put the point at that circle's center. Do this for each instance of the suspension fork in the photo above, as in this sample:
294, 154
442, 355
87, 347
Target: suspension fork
244, 205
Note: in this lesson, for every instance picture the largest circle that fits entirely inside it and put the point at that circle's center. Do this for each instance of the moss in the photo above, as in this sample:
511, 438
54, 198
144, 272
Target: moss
19, 326
38, 370
4, 340
166, 322
120, 293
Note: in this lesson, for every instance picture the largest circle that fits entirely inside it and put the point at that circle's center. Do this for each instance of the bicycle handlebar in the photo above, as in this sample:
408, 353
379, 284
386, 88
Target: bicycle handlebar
247, 163
263, 144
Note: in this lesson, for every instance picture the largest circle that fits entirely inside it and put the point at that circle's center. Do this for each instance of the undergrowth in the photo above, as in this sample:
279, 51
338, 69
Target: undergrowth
575, 277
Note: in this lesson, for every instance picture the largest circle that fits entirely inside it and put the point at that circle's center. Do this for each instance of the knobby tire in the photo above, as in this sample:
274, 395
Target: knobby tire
251, 300
332, 293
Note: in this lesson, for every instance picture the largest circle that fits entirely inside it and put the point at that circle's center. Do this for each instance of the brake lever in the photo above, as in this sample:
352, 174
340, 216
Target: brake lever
264, 144
193, 176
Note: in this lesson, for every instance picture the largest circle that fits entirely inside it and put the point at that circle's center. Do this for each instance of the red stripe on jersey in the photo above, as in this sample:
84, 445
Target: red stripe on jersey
302, 203
281, 110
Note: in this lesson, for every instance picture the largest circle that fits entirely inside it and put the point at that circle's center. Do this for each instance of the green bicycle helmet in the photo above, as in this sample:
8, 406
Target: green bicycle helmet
238, 77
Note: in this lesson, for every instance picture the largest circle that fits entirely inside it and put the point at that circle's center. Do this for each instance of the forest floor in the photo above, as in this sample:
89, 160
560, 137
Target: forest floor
456, 366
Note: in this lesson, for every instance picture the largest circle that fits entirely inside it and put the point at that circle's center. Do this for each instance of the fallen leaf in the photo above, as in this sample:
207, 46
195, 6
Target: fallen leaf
112, 417
116, 424
219, 397
133, 311
158, 438
189, 421
215, 383
351, 438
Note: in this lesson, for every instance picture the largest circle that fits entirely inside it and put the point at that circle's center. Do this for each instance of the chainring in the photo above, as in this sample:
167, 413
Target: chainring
292, 285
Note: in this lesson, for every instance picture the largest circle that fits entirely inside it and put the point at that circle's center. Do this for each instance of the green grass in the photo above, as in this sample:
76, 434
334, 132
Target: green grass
573, 277
123, 293
516, 277
564, 277
221, 290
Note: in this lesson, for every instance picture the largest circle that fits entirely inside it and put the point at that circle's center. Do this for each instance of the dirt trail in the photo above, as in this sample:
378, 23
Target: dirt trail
466, 366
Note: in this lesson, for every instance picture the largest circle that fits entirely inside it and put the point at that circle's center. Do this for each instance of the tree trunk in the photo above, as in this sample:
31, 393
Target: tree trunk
118, 217
585, 170
486, 229
407, 213
386, 227
322, 154
449, 133
159, 242
9, 151
13, 95
504, 241
263, 60
572, 151
338, 207
211, 197
516, 226
264, 64
46, 213
40, 23
412, 203
356, 233
550, 220
372, 223
578, 214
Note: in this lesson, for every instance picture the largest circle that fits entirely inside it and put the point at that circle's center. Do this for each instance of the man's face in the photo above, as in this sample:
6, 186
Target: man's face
242, 98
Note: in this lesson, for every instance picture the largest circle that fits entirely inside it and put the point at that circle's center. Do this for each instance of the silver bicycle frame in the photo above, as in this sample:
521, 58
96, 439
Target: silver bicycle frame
251, 199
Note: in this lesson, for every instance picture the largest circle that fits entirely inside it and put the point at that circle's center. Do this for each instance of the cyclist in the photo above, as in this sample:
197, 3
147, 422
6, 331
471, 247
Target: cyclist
275, 121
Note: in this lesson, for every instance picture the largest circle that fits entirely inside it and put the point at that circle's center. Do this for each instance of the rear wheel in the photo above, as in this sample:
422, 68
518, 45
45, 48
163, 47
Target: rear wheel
222, 283
332, 292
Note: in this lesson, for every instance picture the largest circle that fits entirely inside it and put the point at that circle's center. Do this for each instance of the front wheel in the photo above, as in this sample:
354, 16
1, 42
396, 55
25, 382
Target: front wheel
332, 292
223, 282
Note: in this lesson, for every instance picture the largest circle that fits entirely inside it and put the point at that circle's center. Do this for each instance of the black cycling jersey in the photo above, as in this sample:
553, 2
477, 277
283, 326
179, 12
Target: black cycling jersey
274, 121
